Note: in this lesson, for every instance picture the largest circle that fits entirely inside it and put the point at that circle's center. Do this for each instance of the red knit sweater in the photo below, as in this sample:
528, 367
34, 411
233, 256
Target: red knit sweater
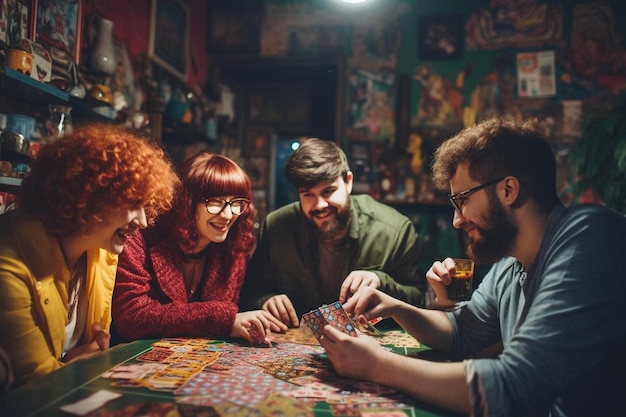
150, 299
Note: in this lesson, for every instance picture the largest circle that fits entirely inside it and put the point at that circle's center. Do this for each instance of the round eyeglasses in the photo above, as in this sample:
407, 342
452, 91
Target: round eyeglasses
217, 205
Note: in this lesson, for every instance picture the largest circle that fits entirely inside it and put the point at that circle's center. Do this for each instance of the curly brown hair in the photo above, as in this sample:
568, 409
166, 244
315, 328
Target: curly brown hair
100, 167
203, 176
499, 147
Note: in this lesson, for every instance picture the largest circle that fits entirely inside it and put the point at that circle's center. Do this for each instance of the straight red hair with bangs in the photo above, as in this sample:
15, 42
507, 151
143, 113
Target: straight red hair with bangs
210, 175
203, 176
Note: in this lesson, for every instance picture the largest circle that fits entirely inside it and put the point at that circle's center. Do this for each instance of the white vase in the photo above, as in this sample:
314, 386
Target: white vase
102, 59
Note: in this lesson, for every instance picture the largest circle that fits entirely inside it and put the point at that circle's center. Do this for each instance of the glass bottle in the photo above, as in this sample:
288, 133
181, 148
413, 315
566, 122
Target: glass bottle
60, 121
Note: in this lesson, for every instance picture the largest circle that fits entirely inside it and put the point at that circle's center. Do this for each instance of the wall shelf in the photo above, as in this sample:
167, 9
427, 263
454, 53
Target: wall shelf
28, 89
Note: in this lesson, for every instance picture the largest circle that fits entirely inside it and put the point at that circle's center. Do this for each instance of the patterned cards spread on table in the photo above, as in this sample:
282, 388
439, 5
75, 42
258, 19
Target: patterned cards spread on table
216, 378
332, 314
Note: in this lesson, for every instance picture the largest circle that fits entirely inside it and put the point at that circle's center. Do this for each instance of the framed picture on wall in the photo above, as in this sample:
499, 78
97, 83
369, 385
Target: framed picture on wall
57, 27
440, 36
168, 43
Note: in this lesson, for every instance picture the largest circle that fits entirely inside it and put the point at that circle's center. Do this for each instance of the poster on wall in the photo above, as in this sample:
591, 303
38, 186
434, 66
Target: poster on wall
372, 104
536, 74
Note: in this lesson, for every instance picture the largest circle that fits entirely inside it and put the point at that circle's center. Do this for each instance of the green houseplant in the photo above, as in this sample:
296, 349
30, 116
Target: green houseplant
598, 157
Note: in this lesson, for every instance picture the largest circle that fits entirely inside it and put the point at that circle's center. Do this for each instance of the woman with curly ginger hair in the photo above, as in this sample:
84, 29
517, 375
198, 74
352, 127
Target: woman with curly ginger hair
183, 277
85, 194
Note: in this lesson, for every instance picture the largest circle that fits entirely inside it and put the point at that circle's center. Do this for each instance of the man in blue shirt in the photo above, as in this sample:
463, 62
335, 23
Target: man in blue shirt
553, 298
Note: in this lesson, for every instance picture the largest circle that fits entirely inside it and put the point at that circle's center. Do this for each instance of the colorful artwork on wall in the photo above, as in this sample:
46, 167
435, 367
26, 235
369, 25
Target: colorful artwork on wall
58, 26
519, 24
441, 99
372, 106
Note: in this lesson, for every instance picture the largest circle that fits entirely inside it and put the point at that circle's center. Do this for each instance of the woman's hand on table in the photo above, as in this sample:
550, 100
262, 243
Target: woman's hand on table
256, 326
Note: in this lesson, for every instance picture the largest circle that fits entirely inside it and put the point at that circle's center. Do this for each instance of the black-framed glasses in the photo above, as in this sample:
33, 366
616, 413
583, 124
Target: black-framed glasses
217, 205
464, 194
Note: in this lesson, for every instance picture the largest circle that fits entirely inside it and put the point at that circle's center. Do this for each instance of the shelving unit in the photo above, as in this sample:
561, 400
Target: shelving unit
19, 91
22, 89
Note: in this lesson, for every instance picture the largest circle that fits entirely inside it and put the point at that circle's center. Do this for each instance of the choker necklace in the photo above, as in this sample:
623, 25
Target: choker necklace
187, 257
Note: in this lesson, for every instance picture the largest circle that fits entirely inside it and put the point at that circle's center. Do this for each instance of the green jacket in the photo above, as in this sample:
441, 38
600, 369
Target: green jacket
33, 282
286, 259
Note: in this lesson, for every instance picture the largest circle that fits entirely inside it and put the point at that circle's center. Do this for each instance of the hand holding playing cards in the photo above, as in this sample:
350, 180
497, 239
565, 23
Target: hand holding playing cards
348, 353
280, 307
256, 326
356, 280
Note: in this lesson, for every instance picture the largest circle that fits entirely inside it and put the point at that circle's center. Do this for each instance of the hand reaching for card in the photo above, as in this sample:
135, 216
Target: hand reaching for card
371, 303
355, 281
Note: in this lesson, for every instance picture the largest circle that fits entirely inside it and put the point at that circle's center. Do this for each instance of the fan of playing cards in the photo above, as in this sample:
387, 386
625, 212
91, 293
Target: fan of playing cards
336, 316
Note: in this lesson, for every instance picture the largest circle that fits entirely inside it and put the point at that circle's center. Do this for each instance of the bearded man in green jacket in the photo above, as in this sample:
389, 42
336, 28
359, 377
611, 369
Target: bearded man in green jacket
327, 245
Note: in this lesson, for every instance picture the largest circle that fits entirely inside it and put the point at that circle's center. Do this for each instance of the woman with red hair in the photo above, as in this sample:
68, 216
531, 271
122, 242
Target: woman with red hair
183, 277
85, 194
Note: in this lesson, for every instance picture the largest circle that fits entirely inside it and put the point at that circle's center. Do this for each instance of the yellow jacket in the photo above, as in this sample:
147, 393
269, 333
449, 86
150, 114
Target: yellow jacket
34, 290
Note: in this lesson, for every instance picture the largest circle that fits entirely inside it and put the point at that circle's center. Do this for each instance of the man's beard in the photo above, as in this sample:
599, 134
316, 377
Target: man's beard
336, 227
497, 236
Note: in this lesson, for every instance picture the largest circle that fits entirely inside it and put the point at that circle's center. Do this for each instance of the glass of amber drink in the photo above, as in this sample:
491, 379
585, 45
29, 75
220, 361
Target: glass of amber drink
460, 288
